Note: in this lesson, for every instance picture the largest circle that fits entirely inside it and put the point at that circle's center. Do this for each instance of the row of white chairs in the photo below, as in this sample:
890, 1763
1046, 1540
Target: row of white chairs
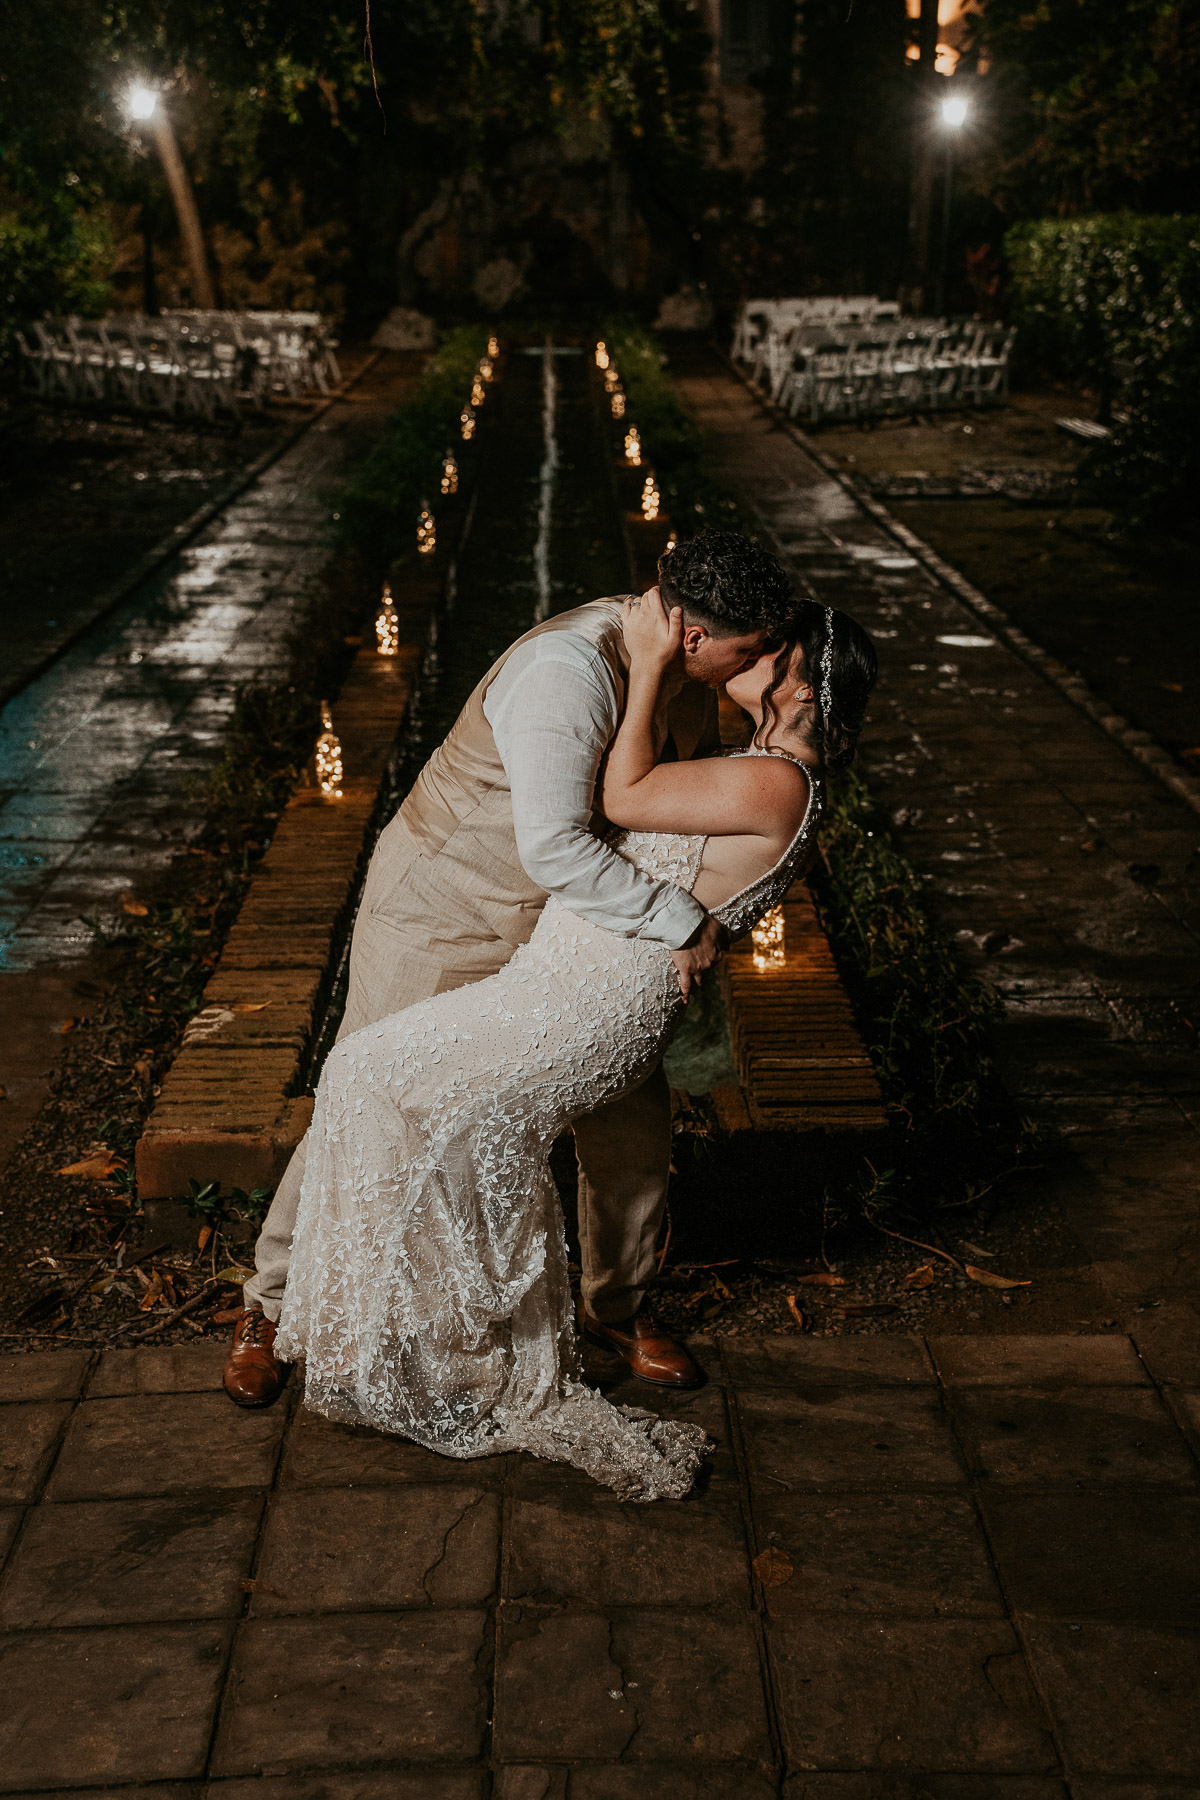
757, 318
181, 362
892, 366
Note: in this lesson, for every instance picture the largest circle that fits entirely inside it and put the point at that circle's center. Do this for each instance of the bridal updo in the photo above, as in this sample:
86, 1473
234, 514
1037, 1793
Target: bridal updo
831, 651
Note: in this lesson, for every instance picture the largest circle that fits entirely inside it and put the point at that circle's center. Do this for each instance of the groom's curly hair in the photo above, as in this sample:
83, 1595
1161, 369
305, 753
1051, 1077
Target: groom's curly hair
726, 582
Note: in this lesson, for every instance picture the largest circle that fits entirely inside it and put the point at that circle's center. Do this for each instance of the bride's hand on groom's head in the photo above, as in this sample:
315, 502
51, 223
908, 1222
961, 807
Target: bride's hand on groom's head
653, 632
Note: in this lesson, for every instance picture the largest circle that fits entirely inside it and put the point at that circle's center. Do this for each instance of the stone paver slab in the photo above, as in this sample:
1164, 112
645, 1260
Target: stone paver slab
915, 1554
319, 1453
10, 1524
843, 1437
114, 1562
951, 1695
367, 1688
622, 1781
159, 1369
833, 1362
646, 1686
923, 1787
587, 1546
1038, 1362
1071, 1435
1125, 1698
1127, 1555
29, 1434
357, 1549
394, 1784
43, 1374
165, 1444
1133, 1790
108, 1706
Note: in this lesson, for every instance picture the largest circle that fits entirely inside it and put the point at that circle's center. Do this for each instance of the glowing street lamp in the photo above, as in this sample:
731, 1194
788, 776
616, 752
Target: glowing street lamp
140, 102
142, 107
954, 117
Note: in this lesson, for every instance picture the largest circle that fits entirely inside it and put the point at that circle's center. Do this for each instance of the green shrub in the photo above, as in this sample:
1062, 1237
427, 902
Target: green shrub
380, 506
53, 264
1092, 294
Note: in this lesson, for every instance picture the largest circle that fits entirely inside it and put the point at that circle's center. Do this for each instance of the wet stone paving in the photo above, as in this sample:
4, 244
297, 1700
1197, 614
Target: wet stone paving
897, 1579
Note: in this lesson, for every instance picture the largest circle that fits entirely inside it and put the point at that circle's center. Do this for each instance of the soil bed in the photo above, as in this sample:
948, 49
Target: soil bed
1119, 611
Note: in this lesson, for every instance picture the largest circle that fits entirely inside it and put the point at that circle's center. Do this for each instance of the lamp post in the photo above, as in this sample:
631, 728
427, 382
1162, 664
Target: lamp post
142, 105
954, 115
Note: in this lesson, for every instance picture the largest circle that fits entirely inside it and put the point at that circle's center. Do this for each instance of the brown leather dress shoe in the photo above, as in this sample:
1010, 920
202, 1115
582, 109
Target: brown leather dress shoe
252, 1375
650, 1353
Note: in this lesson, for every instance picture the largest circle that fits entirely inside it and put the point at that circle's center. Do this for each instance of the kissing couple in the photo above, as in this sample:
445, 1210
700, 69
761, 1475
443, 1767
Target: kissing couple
568, 864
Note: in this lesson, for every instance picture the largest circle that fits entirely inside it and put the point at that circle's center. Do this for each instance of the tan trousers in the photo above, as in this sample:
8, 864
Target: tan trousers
623, 1149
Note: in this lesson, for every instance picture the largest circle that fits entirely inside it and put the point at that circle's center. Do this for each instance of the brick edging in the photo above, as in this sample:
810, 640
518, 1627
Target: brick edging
1140, 744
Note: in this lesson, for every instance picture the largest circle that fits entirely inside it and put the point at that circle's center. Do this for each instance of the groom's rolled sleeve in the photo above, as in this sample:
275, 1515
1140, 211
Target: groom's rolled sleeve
553, 709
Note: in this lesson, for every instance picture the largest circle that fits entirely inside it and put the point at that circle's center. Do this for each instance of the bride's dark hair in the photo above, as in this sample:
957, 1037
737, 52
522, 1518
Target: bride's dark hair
828, 641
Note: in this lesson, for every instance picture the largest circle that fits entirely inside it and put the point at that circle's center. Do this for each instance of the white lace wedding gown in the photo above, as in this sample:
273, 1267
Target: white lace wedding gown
428, 1291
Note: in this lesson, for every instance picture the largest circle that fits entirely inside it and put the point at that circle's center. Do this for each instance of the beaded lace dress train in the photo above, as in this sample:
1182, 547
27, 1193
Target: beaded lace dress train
428, 1292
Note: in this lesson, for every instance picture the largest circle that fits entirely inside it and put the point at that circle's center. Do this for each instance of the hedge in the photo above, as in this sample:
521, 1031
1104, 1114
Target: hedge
50, 265
1121, 288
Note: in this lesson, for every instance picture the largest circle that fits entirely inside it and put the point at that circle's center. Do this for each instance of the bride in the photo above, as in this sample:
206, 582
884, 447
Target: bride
428, 1292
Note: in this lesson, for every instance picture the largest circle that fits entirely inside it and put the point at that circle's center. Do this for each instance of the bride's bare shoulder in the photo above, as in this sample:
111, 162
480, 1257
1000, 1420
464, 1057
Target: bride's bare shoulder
776, 787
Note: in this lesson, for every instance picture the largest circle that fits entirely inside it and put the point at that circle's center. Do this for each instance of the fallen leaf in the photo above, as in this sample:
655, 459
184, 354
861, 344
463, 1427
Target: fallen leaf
142, 1068
137, 908
773, 1566
250, 1005
234, 1274
799, 1317
206, 1232
989, 1278
822, 1279
100, 1166
1090, 844
1172, 687
153, 1293
920, 1278
974, 1249
67, 1025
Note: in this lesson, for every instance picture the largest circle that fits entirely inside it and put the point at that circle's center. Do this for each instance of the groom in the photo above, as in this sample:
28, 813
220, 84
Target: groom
502, 815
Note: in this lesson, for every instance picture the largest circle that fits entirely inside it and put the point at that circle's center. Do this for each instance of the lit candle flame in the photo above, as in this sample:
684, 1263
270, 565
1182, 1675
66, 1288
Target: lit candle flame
426, 533
601, 355
387, 625
670, 544
449, 475
633, 447
650, 498
767, 938
329, 757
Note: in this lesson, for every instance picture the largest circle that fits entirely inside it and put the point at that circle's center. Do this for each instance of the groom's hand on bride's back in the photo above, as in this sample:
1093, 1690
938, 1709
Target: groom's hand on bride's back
699, 954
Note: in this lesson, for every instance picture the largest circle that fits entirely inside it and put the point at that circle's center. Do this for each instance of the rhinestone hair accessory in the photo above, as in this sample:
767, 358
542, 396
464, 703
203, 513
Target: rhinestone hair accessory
825, 691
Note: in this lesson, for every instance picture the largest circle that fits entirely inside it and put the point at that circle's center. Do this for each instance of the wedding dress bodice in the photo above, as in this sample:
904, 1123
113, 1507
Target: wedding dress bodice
428, 1291
676, 857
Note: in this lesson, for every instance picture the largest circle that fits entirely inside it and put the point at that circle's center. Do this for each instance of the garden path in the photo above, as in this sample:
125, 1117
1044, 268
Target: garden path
95, 752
